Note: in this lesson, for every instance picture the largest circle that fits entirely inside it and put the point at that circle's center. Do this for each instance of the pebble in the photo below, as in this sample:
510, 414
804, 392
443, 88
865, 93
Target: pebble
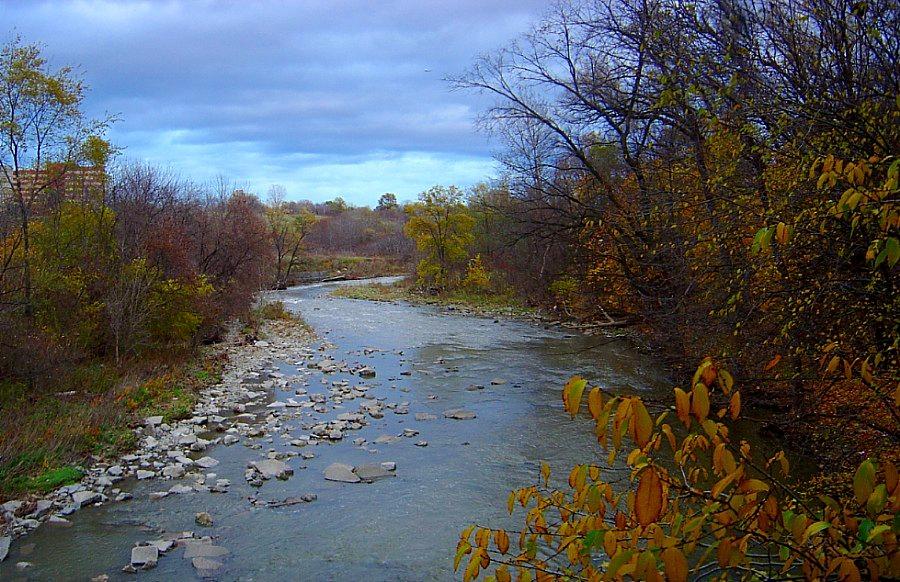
204, 519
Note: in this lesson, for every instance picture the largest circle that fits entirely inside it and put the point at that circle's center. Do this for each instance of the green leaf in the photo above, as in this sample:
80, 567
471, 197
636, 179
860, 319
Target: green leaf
877, 531
864, 481
618, 561
815, 528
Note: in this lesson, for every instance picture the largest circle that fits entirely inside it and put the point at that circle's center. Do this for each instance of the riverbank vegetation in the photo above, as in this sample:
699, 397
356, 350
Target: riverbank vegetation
724, 177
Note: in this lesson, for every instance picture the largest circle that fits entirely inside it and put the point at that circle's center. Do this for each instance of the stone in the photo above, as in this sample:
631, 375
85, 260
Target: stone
82, 498
498, 382
58, 521
459, 414
42, 508
115, 471
4, 547
206, 462
203, 518
163, 545
204, 549
206, 567
389, 466
173, 471
230, 439
152, 421
366, 372
425, 416
142, 474
410, 432
387, 439
144, 557
372, 472
180, 489
342, 473
270, 468
422, 444
474, 387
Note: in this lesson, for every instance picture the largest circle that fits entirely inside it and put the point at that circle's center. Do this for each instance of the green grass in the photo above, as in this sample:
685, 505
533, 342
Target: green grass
46, 432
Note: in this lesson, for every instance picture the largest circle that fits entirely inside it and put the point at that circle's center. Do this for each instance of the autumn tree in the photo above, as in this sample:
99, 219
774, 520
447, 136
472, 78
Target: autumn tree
441, 226
287, 231
40, 122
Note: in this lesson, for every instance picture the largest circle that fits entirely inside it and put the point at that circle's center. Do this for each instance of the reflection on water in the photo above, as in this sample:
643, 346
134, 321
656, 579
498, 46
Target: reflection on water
397, 529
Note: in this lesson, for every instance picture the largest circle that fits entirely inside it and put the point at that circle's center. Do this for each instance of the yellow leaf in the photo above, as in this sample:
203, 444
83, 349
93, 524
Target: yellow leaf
502, 574
545, 471
595, 402
648, 499
501, 540
682, 406
726, 381
473, 568
572, 393
700, 401
642, 425
722, 484
754, 485
734, 407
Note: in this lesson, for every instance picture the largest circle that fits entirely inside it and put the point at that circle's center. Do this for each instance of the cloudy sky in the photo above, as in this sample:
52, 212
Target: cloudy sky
326, 97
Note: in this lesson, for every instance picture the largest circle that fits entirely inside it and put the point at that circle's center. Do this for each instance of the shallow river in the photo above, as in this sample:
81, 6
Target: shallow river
404, 528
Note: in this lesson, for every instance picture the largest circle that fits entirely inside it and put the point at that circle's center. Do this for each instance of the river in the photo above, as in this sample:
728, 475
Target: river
402, 528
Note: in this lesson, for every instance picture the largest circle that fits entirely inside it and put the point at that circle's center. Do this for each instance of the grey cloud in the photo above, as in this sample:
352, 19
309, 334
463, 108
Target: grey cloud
322, 77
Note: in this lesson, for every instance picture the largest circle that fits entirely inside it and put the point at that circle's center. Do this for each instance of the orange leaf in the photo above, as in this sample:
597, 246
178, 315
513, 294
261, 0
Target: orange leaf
648, 500
676, 564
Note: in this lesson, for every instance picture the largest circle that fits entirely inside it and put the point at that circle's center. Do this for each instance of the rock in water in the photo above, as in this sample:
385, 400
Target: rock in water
270, 468
372, 472
206, 462
82, 498
341, 472
144, 557
205, 567
459, 414
4, 547
366, 372
203, 518
203, 549
498, 382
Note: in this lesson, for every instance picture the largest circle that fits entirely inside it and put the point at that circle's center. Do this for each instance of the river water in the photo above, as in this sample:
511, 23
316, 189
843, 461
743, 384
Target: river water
403, 528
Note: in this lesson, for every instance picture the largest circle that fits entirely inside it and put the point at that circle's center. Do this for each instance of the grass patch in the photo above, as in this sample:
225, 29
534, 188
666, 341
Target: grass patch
354, 267
45, 433
481, 302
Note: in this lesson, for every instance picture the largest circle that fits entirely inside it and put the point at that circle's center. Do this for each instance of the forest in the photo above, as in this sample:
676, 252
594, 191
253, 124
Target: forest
717, 179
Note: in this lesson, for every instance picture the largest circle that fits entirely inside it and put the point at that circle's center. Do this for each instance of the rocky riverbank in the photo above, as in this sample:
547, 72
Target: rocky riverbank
168, 452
